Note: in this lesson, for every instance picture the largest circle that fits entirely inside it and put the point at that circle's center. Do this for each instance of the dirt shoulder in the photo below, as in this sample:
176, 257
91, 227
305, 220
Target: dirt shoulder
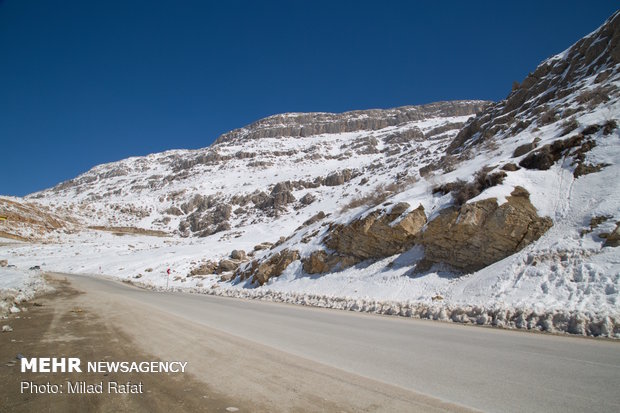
57, 325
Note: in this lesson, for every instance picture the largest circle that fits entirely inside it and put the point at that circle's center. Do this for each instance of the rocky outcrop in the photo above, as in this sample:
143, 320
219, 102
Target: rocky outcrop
308, 124
595, 57
273, 266
320, 262
379, 234
280, 196
207, 223
338, 178
480, 233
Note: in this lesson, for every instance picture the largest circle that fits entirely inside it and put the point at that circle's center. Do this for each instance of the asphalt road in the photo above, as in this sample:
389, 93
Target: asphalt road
481, 368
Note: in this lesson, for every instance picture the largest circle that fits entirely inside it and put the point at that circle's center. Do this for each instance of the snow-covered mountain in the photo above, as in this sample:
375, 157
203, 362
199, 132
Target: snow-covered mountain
503, 213
275, 167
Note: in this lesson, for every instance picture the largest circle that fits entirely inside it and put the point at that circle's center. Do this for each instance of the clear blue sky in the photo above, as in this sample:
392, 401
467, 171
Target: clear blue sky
88, 82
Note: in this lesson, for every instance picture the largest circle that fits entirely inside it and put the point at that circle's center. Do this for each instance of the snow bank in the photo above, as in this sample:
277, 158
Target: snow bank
17, 286
584, 323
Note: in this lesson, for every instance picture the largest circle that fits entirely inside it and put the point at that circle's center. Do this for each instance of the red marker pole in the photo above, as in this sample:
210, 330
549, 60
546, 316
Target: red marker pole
167, 277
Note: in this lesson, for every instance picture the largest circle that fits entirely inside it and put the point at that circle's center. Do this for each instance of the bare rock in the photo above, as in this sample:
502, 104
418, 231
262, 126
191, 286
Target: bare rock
238, 255
307, 124
478, 234
274, 265
510, 167
523, 149
226, 266
205, 268
263, 246
338, 178
315, 218
320, 262
379, 234
308, 199
613, 239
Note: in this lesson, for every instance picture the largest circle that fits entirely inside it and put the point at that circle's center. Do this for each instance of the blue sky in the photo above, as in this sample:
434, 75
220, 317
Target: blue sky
89, 82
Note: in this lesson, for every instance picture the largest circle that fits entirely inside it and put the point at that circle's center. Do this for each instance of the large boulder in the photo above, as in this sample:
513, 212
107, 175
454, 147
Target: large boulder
480, 233
238, 255
379, 234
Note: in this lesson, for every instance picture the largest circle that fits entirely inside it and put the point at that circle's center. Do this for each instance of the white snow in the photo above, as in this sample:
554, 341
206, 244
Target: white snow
19, 285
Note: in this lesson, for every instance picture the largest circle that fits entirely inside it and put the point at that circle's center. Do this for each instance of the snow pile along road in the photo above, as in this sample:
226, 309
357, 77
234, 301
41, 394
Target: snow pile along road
17, 286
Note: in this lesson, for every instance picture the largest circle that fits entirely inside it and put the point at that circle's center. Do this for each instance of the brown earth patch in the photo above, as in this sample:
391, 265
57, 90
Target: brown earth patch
54, 326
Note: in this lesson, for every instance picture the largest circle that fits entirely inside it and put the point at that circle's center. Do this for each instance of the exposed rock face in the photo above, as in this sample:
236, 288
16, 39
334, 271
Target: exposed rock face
596, 55
271, 267
481, 233
320, 262
209, 222
30, 221
379, 234
280, 196
307, 124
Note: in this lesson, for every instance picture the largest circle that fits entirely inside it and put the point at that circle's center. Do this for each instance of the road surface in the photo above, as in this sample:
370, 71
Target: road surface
425, 362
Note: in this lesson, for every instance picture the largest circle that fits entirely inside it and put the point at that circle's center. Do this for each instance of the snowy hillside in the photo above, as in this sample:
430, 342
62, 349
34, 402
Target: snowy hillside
505, 213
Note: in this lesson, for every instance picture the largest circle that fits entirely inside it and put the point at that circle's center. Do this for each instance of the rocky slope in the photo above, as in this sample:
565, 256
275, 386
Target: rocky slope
545, 121
275, 167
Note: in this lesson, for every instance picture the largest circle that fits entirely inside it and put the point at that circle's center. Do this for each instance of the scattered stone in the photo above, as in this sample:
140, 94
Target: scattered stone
613, 239
586, 168
263, 246
4, 263
523, 149
315, 218
238, 255
7, 328
510, 167
226, 265
308, 199
14, 310
205, 268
